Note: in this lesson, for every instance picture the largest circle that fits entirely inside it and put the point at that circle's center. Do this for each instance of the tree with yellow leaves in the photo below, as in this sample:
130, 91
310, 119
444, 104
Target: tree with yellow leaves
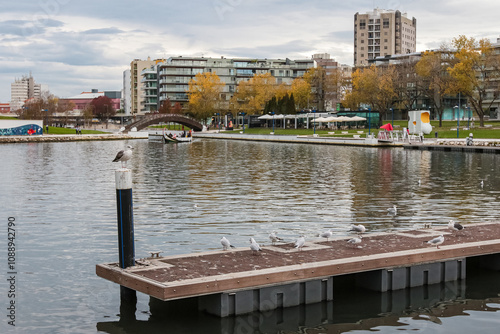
477, 73
252, 95
373, 86
301, 90
205, 95
432, 68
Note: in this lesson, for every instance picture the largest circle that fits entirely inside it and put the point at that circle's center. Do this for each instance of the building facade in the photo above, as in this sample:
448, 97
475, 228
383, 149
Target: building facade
23, 89
125, 104
382, 33
174, 74
137, 93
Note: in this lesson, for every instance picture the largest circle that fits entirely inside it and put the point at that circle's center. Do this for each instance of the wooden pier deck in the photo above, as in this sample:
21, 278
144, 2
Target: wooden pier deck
191, 275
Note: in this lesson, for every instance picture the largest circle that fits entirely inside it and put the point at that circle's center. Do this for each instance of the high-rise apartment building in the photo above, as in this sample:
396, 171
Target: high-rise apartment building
22, 90
136, 88
383, 33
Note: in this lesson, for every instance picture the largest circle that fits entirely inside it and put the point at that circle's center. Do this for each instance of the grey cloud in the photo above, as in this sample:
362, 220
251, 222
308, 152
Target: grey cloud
103, 31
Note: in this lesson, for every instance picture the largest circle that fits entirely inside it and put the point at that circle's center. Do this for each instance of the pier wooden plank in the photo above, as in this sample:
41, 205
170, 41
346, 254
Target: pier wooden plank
153, 276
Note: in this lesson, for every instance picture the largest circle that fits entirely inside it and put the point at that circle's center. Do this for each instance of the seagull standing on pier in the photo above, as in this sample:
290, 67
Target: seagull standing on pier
358, 229
327, 234
225, 243
254, 246
355, 241
455, 226
274, 238
393, 210
436, 241
300, 242
124, 155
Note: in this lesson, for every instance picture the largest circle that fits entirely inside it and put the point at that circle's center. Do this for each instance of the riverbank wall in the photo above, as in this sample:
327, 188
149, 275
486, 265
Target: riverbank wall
72, 138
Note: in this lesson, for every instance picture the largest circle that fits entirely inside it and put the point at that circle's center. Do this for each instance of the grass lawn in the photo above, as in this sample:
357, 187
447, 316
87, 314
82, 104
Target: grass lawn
448, 130
53, 130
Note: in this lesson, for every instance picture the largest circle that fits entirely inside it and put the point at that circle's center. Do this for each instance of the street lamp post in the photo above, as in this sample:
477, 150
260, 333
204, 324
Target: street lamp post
273, 120
392, 110
369, 121
468, 117
314, 121
457, 108
243, 119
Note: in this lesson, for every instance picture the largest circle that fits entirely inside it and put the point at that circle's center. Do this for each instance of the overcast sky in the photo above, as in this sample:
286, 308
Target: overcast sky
74, 46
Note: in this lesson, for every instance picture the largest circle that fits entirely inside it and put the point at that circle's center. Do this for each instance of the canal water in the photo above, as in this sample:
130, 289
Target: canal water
186, 196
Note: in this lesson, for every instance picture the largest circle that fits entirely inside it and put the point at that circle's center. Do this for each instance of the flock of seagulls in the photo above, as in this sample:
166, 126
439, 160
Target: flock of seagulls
355, 241
300, 242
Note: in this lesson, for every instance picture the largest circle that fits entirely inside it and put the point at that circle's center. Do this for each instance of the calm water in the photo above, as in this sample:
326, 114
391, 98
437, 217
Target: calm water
186, 196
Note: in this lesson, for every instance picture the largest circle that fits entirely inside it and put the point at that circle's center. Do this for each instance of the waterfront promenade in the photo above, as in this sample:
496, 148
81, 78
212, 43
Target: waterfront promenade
72, 137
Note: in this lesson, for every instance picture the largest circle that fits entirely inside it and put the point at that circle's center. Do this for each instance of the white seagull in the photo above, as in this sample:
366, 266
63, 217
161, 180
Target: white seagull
299, 243
436, 241
124, 155
254, 246
393, 210
455, 226
225, 243
358, 229
355, 241
327, 234
274, 238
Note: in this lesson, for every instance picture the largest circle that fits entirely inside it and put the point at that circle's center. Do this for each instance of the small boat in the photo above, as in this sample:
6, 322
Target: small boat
176, 139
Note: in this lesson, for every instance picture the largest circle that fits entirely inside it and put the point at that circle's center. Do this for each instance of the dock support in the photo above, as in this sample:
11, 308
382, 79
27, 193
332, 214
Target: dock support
123, 180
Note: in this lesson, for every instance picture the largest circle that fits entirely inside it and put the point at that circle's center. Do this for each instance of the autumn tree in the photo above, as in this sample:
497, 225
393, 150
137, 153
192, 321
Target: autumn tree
437, 82
103, 108
374, 86
477, 73
252, 95
166, 107
205, 95
409, 86
301, 90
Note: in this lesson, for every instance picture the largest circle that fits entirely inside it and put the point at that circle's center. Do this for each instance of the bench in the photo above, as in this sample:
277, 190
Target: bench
361, 132
331, 133
355, 136
345, 132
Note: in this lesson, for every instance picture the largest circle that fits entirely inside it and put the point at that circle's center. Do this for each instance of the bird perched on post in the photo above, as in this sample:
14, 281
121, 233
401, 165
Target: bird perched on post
124, 155
327, 234
455, 226
358, 229
254, 246
436, 241
225, 243
299, 243
274, 238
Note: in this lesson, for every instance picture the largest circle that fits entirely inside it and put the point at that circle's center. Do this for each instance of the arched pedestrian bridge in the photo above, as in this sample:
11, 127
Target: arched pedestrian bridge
148, 120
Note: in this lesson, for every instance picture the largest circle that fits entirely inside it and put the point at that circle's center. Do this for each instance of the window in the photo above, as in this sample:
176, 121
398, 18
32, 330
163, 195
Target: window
386, 23
362, 24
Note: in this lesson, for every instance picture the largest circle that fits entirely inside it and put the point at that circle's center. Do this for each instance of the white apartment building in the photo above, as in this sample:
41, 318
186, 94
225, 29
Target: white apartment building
382, 33
23, 89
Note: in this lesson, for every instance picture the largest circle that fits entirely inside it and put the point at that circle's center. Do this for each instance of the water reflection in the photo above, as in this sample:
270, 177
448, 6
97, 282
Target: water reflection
445, 307
187, 196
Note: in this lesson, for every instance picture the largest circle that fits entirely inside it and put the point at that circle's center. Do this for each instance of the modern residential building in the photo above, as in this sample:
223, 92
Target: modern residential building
136, 88
125, 103
381, 33
23, 89
174, 74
